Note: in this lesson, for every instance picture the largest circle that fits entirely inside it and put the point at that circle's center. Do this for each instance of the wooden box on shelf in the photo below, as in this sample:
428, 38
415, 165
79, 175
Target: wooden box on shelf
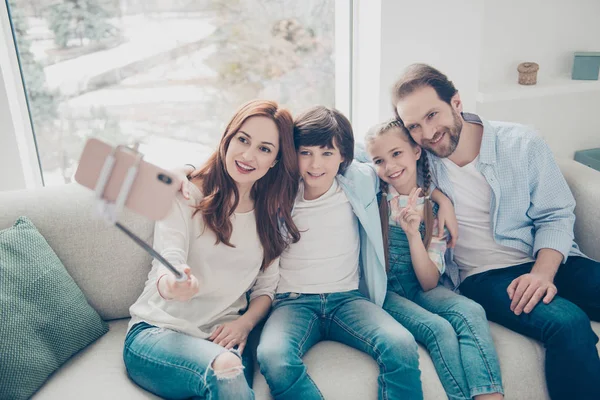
528, 73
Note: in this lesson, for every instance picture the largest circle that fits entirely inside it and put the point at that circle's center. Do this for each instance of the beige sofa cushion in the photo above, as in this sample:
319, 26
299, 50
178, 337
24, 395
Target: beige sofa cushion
98, 372
112, 272
340, 372
584, 183
108, 267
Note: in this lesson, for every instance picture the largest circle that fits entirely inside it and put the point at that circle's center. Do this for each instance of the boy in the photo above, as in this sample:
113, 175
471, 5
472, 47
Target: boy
340, 250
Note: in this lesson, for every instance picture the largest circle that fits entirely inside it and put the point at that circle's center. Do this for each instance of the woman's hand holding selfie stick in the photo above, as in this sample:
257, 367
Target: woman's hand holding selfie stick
181, 283
171, 288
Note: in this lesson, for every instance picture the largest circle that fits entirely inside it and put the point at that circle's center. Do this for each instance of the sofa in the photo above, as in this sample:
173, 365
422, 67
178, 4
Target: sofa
111, 270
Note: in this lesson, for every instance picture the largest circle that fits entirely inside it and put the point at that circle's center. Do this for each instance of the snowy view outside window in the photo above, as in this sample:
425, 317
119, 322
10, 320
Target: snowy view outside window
166, 73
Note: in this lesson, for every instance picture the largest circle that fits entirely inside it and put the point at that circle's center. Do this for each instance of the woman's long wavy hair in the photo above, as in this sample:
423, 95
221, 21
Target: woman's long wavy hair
423, 172
273, 194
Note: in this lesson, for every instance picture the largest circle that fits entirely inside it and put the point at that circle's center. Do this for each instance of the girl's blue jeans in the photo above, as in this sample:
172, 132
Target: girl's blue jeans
453, 328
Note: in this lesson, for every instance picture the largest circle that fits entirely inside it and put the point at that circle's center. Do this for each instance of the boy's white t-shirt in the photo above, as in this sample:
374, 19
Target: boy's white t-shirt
476, 250
225, 273
325, 260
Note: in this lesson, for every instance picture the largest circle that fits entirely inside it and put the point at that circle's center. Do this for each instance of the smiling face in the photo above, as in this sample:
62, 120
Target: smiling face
318, 168
395, 159
252, 150
434, 124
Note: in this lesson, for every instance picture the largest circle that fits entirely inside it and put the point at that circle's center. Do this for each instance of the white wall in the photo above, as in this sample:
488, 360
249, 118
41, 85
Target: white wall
441, 33
410, 32
547, 32
544, 31
366, 62
479, 43
567, 122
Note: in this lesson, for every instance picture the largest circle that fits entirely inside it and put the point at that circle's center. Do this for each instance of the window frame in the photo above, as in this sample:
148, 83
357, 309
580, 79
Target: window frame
18, 147
16, 129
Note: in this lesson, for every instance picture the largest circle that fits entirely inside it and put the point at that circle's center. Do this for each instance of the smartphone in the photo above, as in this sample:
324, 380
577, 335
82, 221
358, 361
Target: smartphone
153, 190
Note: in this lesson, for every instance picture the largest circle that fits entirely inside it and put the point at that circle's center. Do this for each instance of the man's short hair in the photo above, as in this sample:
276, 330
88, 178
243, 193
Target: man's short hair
417, 76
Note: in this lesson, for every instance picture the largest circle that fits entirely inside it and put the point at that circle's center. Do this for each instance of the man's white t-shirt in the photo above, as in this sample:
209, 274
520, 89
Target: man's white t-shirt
476, 250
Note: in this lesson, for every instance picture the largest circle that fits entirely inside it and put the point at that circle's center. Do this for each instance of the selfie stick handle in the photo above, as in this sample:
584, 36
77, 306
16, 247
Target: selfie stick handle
111, 211
180, 276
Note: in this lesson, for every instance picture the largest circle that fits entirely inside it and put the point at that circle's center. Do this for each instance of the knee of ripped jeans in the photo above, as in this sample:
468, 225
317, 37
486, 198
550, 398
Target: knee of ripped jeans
227, 365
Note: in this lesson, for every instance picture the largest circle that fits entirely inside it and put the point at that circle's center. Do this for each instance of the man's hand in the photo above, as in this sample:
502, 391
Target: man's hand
527, 290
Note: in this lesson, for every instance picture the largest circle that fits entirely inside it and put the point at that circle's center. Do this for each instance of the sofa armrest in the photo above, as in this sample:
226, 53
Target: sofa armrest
585, 186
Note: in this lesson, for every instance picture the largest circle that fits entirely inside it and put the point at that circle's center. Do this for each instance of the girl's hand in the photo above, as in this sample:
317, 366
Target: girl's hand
410, 218
182, 173
447, 218
232, 333
170, 289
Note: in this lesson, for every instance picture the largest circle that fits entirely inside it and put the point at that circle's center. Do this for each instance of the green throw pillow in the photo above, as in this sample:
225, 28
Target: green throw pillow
44, 316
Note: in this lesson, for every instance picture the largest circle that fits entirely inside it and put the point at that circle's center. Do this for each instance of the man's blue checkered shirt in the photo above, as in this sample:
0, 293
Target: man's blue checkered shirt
531, 204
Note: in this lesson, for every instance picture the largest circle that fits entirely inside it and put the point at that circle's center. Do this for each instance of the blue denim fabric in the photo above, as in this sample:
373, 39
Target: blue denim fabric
453, 328
174, 365
572, 363
299, 321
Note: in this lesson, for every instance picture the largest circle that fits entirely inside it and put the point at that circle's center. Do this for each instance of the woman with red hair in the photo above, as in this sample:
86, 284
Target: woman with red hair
186, 339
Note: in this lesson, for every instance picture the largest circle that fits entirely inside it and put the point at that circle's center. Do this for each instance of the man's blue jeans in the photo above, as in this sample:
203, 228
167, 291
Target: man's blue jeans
299, 321
178, 366
563, 326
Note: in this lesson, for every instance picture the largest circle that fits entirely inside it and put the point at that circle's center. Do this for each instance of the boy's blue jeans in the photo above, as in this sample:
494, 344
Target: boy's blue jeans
563, 326
174, 365
299, 321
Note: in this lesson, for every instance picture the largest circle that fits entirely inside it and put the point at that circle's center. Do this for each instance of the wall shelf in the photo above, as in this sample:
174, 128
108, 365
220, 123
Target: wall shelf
544, 88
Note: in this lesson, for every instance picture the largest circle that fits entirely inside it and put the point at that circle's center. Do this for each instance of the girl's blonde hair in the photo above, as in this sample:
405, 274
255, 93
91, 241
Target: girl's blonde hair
423, 175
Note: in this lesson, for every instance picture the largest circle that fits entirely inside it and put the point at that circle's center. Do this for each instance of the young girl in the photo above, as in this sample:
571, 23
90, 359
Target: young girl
453, 328
186, 338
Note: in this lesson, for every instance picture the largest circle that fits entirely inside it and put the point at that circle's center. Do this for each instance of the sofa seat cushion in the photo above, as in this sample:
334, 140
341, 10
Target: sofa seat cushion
97, 372
344, 373
340, 372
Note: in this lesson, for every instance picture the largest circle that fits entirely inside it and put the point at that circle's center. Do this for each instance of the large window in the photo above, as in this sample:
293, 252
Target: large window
167, 73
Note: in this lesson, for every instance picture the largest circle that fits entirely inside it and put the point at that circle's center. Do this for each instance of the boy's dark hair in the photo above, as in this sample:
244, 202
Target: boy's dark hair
417, 76
322, 126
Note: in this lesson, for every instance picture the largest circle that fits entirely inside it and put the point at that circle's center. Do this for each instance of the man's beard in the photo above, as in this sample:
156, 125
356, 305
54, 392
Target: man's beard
453, 134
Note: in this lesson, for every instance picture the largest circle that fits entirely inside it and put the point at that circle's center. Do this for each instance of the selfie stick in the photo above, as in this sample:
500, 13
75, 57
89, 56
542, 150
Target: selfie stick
110, 211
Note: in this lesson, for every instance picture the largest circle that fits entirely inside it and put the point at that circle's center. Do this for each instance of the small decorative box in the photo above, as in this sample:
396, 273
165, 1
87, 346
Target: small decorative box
586, 66
590, 157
